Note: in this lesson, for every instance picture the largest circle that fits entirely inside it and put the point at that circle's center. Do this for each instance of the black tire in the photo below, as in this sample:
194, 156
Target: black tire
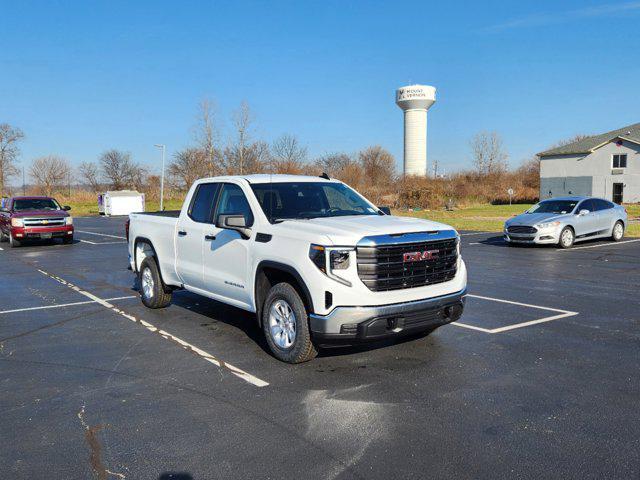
301, 348
615, 235
68, 240
3, 237
567, 238
13, 243
157, 295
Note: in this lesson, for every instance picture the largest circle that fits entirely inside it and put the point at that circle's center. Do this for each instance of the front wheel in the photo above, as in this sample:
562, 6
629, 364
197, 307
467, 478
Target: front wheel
618, 232
13, 243
285, 325
3, 237
67, 240
152, 290
567, 237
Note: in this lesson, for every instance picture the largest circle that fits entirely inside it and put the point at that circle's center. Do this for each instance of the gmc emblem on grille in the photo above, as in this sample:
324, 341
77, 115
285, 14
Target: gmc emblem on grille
417, 256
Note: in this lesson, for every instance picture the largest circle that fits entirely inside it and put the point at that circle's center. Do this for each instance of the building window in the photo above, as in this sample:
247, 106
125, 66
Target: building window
620, 160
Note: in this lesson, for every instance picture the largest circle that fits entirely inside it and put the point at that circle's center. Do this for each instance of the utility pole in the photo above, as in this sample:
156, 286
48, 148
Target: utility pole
161, 177
23, 186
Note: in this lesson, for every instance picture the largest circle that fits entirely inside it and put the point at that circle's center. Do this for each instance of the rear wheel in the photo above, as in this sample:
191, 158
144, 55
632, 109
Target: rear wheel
285, 325
567, 237
153, 292
618, 231
13, 243
3, 237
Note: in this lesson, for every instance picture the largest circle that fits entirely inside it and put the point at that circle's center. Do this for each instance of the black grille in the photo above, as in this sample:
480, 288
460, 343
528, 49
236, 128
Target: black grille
383, 267
521, 229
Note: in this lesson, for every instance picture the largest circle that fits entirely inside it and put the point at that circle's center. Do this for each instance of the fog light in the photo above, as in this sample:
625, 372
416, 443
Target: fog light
18, 234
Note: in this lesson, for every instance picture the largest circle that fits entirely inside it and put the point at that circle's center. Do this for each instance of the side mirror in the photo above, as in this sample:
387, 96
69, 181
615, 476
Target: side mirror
234, 222
385, 210
66, 207
583, 212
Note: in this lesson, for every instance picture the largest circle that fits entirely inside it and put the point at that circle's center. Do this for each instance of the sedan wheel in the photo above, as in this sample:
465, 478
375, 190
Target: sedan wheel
618, 232
567, 237
282, 324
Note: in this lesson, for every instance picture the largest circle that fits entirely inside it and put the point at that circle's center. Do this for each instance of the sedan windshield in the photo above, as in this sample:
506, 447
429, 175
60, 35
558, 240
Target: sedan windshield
285, 201
35, 204
554, 206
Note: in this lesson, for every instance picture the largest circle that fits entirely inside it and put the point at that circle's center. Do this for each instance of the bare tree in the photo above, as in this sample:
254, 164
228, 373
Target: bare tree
242, 121
120, 171
340, 166
187, 166
9, 138
251, 158
50, 173
567, 141
378, 165
488, 152
207, 137
287, 155
90, 175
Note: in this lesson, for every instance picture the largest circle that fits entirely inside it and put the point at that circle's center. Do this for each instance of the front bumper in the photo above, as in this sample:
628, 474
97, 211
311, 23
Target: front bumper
550, 236
36, 233
356, 324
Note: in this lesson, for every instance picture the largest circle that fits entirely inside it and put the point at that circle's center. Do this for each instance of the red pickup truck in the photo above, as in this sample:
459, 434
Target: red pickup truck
34, 218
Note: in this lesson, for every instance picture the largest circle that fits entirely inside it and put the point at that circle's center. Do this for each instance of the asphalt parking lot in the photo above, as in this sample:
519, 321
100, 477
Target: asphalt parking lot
539, 379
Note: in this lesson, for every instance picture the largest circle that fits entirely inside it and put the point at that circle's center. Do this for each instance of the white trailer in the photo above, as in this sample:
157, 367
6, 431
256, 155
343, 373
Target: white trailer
120, 202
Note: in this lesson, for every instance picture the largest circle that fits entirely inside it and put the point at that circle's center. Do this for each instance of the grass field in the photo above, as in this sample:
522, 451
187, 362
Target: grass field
489, 218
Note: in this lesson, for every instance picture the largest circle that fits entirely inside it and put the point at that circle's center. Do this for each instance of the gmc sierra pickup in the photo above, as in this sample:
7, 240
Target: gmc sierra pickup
317, 262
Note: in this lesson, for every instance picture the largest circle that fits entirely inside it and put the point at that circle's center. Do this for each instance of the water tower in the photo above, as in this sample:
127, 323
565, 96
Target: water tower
415, 100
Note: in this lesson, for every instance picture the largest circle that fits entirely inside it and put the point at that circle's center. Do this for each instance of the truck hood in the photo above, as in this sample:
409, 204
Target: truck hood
39, 213
349, 230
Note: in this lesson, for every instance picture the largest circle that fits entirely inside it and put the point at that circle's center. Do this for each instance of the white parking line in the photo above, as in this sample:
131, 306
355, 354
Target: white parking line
610, 244
101, 234
475, 233
100, 243
247, 377
1, 248
561, 314
61, 305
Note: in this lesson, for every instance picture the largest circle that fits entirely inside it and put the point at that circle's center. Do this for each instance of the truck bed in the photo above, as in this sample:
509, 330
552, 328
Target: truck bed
165, 213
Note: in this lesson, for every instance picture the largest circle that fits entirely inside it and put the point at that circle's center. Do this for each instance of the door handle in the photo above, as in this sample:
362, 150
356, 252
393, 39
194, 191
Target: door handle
182, 233
209, 237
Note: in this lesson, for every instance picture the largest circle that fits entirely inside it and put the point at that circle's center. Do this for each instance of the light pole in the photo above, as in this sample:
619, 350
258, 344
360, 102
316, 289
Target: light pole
161, 176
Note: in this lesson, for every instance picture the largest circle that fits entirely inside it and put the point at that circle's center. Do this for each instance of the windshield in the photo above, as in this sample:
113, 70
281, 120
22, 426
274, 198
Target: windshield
35, 204
285, 201
554, 206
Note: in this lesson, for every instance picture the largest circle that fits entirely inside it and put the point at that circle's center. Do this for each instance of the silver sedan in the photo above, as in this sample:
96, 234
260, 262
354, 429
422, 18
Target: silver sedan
566, 220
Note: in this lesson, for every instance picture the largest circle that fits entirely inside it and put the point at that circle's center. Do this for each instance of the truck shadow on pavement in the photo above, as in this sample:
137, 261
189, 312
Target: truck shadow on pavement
219, 314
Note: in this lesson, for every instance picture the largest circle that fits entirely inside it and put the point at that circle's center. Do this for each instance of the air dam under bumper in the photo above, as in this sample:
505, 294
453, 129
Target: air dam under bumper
357, 324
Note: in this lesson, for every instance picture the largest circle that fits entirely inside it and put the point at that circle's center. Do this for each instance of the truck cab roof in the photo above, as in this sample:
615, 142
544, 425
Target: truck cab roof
271, 178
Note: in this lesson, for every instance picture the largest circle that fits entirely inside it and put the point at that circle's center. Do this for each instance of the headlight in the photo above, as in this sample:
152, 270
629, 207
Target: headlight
547, 225
337, 259
17, 222
68, 220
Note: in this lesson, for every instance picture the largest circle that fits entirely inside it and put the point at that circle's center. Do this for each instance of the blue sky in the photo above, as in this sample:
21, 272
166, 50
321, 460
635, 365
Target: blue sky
82, 77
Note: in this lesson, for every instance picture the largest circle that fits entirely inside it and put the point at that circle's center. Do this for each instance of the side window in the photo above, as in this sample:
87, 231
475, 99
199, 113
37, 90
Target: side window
203, 202
586, 205
619, 160
233, 202
601, 204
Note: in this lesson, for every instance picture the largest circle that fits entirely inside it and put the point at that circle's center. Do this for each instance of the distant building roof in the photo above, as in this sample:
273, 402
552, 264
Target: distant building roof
589, 144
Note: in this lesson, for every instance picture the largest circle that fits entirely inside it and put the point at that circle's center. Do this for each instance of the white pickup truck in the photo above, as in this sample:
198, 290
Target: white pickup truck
317, 262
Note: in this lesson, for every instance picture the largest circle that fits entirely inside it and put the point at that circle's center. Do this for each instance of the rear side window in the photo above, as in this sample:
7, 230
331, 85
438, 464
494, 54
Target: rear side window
233, 202
587, 205
203, 202
602, 204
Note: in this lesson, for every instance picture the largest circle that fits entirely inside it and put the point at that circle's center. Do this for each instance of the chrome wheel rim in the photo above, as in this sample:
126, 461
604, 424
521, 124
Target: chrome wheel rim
282, 324
567, 238
618, 231
147, 283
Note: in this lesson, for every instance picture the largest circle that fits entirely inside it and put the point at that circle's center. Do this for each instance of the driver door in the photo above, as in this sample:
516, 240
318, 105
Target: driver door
226, 252
586, 224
